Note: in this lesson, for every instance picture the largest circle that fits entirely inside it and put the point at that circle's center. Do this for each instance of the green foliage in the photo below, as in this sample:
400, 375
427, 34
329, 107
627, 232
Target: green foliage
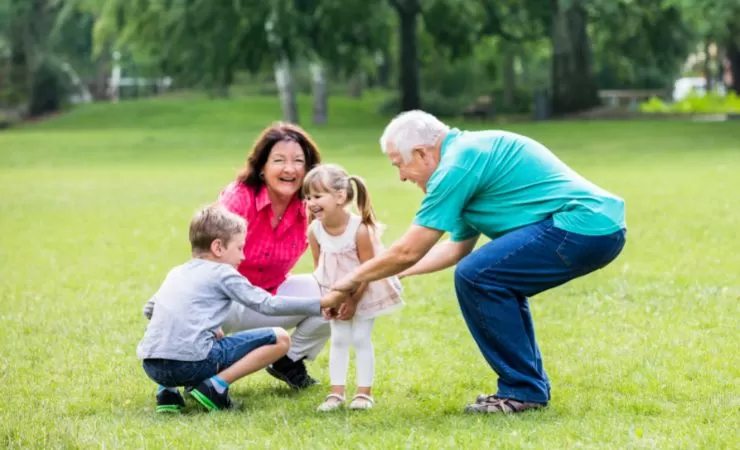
36, 39
640, 44
709, 18
453, 25
205, 42
433, 102
694, 103
523, 101
343, 34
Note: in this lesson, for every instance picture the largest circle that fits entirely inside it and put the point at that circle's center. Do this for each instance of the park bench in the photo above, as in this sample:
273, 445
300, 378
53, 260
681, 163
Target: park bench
631, 97
482, 108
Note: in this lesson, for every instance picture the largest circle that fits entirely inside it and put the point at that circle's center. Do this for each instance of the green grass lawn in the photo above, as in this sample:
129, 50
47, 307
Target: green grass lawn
94, 208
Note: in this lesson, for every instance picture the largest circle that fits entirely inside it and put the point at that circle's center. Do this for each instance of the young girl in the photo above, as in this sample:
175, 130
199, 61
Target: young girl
340, 241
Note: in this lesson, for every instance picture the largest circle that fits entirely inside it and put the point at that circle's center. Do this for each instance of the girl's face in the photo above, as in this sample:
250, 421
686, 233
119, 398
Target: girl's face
326, 205
285, 169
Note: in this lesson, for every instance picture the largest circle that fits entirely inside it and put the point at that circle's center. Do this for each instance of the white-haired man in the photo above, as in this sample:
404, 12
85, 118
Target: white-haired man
547, 225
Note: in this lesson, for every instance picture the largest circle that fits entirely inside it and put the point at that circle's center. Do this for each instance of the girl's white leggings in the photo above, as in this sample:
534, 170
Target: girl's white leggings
355, 332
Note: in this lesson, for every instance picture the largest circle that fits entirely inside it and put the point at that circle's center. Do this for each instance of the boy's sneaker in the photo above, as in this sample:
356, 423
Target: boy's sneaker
205, 394
292, 372
169, 402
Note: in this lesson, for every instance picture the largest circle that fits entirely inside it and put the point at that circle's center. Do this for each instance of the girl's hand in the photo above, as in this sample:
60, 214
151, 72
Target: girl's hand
329, 313
347, 310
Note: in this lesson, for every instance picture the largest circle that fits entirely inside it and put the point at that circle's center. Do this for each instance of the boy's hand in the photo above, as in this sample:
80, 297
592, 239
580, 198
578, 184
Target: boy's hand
219, 333
334, 299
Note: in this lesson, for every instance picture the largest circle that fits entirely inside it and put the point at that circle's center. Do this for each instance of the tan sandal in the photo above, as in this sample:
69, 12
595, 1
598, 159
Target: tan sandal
495, 405
331, 402
362, 401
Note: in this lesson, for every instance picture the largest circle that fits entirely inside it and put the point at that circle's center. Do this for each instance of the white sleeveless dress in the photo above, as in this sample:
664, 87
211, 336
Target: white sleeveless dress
338, 257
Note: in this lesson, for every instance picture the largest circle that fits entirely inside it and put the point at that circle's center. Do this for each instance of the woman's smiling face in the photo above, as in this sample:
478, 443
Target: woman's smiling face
285, 169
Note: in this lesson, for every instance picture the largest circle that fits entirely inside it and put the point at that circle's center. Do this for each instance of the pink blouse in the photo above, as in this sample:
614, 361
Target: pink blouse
269, 254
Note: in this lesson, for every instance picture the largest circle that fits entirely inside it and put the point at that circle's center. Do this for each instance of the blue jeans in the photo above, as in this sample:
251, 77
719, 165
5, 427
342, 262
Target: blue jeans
225, 352
492, 286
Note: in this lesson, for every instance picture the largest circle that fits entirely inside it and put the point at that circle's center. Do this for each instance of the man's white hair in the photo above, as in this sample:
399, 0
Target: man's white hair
410, 129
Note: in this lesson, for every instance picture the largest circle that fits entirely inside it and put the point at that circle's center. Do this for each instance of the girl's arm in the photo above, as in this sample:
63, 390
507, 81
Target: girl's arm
315, 247
365, 252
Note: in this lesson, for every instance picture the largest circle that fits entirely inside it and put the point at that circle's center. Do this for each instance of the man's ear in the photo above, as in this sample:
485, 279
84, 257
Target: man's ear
423, 153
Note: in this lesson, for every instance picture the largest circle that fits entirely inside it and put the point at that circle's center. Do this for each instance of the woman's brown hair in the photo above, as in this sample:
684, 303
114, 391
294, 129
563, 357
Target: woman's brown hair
277, 132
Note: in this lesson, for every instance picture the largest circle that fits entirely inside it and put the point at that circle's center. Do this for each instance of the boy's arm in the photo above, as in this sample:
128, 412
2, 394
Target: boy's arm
239, 289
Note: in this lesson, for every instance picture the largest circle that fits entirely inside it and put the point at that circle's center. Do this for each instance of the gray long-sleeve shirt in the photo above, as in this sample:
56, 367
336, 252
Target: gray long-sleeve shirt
193, 303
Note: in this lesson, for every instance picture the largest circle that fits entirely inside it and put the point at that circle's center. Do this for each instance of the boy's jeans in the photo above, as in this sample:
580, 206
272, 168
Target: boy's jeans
225, 352
493, 284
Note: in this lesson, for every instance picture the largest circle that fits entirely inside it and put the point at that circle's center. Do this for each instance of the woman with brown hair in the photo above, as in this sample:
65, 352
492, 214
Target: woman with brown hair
267, 193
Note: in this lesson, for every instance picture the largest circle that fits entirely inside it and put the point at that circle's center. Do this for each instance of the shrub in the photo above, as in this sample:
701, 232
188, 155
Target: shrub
50, 88
711, 103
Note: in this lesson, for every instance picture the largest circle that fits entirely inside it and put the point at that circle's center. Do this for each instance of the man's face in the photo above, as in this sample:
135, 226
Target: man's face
419, 169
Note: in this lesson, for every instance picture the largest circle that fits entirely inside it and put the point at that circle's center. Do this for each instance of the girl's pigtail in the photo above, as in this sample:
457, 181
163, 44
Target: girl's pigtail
363, 203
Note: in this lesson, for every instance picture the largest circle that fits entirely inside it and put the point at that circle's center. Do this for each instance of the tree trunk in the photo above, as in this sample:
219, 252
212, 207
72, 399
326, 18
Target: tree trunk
103, 72
733, 55
320, 96
113, 90
354, 86
82, 90
408, 13
574, 87
509, 76
708, 68
284, 80
19, 72
384, 69
225, 80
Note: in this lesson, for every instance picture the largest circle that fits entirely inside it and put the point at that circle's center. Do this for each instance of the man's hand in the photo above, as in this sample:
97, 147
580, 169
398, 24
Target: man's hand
346, 285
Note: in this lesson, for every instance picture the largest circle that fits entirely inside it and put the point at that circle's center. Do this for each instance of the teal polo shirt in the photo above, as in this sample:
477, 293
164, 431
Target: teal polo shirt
492, 182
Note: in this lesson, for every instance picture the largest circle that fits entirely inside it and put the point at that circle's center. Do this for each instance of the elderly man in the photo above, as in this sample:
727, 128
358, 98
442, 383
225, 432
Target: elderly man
547, 225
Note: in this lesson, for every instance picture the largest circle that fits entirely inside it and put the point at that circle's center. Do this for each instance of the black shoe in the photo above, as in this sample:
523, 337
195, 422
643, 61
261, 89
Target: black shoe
292, 372
169, 402
205, 394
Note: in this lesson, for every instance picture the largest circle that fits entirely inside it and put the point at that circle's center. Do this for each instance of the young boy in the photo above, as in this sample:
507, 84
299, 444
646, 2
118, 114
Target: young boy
183, 344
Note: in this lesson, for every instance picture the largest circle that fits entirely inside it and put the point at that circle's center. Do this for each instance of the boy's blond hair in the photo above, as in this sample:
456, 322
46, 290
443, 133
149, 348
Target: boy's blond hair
213, 222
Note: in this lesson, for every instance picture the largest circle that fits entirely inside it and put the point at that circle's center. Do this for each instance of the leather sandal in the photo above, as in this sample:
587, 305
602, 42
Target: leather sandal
331, 403
362, 401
